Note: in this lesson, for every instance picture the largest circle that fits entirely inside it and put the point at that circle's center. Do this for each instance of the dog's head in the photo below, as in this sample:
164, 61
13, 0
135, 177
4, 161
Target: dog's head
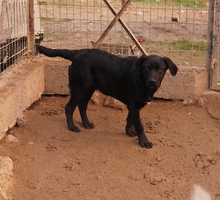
153, 69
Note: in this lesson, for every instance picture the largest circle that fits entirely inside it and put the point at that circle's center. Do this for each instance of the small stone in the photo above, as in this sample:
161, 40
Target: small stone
10, 138
30, 143
188, 102
21, 122
10, 131
201, 102
6, 167
95, 98
113, 103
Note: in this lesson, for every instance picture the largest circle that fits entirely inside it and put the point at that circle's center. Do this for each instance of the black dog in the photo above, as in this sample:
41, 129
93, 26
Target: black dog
131, 80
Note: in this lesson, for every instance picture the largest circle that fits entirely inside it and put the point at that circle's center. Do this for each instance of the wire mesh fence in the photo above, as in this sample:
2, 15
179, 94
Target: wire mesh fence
177, 29
13, 30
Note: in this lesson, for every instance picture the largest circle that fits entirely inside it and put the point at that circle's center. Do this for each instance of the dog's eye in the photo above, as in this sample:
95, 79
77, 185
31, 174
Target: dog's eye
160, 70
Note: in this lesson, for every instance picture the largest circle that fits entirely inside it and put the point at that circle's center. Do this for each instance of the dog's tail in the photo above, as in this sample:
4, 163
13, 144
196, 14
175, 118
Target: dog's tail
64, 53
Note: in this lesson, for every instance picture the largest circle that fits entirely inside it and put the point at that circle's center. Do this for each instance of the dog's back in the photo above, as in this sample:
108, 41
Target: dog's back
90, 57
74, 54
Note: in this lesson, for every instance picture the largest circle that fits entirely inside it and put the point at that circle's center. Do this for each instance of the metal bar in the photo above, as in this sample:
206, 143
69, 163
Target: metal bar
126, 29
117, 16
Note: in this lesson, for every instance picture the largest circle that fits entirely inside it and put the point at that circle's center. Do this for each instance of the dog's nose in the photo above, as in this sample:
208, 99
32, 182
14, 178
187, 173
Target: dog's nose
152, 81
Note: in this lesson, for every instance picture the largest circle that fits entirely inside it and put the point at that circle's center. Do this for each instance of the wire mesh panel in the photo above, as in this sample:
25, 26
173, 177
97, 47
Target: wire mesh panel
13, 30
13, 40
173, 28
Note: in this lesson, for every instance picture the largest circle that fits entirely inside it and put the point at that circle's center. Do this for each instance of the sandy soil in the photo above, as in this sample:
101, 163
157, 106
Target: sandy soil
51, 162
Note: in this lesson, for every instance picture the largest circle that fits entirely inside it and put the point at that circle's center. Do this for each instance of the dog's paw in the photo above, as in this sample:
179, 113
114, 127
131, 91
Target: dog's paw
88, 125
144, 142
74, 128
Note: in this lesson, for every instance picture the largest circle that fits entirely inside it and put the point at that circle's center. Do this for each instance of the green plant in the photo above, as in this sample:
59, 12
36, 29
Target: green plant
186, 45
184, 3
41, 2
55, 21
46, 19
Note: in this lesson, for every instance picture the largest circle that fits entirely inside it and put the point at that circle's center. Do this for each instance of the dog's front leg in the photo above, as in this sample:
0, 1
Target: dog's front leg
130, 131
133, 119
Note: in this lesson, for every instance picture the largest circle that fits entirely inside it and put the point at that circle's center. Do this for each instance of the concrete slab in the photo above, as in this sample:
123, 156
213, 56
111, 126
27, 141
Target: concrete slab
20, 85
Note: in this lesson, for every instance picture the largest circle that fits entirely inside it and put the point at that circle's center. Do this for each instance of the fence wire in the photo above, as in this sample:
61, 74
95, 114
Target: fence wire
176, 29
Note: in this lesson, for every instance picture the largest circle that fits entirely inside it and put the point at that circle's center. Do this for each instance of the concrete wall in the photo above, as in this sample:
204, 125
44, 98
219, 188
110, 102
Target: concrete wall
24, 83
190, 82
56, 76
20, 85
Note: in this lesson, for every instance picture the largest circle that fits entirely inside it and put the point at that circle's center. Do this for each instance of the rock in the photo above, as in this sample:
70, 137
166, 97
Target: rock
6, 167
10, 138
201, 102
189, 102
113, 103
21, 122
10, 131
95, 98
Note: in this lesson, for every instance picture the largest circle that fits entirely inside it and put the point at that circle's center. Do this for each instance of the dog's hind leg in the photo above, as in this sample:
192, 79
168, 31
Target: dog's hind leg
69, 109
82, 109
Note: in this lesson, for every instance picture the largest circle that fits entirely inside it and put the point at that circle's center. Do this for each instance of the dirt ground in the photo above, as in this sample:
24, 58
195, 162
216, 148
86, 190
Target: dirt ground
51, 162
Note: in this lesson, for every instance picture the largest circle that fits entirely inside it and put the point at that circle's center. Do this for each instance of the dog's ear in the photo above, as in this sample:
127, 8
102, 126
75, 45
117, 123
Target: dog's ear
140, 61
172, 67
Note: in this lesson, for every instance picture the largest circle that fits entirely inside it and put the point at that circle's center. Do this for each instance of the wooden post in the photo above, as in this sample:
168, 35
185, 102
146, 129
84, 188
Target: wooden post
130, 34
30, 28
210, 41
215, 52
117, 16
2, 16
123, 2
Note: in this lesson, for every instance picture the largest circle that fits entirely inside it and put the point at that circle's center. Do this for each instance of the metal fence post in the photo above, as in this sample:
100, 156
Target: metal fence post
30, 28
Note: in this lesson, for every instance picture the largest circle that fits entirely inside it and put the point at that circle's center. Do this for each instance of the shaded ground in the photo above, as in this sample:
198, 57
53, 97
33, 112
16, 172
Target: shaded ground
50, 162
